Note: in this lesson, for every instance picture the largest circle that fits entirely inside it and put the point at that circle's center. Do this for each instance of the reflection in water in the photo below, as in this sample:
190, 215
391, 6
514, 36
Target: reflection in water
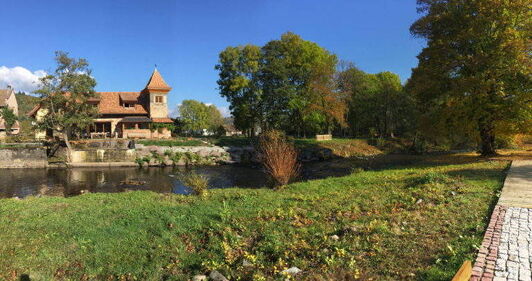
71, 182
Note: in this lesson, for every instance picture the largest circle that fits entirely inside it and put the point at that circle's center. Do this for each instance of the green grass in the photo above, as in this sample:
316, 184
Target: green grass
385, 232
173, 142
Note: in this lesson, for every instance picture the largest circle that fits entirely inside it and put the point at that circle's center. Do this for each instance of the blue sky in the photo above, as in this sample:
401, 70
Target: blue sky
123, 40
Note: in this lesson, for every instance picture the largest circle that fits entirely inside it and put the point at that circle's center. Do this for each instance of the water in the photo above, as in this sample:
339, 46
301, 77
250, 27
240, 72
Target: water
71, 182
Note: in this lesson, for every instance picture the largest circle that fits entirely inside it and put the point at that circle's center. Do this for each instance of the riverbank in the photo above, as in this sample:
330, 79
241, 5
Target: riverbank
413, 222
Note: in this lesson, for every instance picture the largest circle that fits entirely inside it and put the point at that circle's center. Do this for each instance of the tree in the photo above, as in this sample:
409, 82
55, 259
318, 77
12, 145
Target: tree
215, 119
475, 72
377, 103
274, 86
10, 118
238, 67
287, 66
196, 116
65, 95
326, 102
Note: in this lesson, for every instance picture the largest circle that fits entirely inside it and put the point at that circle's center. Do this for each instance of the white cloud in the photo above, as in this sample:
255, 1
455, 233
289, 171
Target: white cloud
20, 78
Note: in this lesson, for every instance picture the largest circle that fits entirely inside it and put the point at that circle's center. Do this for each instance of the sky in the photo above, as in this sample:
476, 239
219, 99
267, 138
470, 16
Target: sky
124, 39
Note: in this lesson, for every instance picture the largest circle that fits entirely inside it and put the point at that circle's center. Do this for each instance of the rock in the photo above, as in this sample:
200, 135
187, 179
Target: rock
199, 278
419, 201
16, 198
335, 237
453, 193
352, 229
84, 191
203, 152
217, 276
246, 263
292, 271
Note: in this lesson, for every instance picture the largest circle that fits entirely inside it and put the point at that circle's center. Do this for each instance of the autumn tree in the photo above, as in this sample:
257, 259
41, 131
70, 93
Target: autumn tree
327, 104
65, 94
475, 73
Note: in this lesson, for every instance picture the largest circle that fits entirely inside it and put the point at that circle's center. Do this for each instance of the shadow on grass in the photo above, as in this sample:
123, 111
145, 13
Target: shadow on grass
340, 166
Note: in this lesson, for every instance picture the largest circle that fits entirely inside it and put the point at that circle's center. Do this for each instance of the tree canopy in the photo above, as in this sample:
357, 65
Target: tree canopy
286, 84
65, 95
475, 73
9, 117
196, 116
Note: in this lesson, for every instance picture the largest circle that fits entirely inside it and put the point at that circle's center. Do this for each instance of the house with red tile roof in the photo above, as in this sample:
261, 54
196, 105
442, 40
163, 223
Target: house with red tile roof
126, 114
8, 99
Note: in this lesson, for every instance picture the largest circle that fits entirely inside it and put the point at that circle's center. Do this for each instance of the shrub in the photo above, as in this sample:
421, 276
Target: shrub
198, 184
139, 161
157, 157
176, 157
279, 157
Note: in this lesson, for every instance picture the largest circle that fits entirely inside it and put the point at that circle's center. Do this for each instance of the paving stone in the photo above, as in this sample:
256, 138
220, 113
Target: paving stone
506, 251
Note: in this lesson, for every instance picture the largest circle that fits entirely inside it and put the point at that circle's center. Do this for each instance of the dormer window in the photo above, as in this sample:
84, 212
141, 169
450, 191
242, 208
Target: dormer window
128, 105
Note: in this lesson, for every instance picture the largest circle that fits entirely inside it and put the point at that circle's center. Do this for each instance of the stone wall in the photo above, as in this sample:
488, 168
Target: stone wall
219, 154
103, 155
23, 157
117, 152
198, 154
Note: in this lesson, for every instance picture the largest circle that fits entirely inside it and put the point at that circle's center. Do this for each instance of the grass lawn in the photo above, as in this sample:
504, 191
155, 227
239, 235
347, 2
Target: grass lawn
174, 142
415, 222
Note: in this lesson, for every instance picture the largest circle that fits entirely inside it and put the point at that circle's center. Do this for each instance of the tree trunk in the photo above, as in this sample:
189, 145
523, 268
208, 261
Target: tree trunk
487, 137
69, 147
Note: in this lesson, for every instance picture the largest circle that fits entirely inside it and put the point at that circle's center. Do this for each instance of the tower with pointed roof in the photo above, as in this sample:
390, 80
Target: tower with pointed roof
157, 91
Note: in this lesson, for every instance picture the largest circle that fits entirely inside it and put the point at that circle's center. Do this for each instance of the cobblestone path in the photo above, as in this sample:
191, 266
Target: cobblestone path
506, 251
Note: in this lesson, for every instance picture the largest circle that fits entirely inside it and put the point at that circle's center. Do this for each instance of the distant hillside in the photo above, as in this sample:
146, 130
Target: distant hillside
25, 104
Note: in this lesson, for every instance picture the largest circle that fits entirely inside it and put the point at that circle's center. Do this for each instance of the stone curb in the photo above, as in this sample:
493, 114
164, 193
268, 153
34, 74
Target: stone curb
484, 268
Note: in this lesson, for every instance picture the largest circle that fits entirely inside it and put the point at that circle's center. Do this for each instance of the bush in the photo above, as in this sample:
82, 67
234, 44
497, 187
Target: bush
159, 159
198, 184
279, 157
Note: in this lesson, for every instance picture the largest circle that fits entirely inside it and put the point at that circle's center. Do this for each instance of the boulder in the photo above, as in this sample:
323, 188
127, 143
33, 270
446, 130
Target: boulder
292, 271
217, 276
199, 278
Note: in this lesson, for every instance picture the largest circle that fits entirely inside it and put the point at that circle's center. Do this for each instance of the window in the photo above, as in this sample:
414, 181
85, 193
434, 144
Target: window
129, 105
159, 99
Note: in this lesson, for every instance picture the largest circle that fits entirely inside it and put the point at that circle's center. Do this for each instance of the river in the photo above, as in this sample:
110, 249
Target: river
70, 182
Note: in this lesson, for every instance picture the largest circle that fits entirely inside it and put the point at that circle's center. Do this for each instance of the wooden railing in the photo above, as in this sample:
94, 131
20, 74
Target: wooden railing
464, 273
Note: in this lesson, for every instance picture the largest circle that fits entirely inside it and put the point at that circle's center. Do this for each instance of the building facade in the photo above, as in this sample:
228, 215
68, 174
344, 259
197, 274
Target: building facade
126, 114
9, 100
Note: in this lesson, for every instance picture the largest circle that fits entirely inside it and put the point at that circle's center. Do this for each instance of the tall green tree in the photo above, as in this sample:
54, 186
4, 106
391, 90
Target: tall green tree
9, 117
378, 105
238, 68
475, 73
196, 116
286, 84
65, 94
286, 70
